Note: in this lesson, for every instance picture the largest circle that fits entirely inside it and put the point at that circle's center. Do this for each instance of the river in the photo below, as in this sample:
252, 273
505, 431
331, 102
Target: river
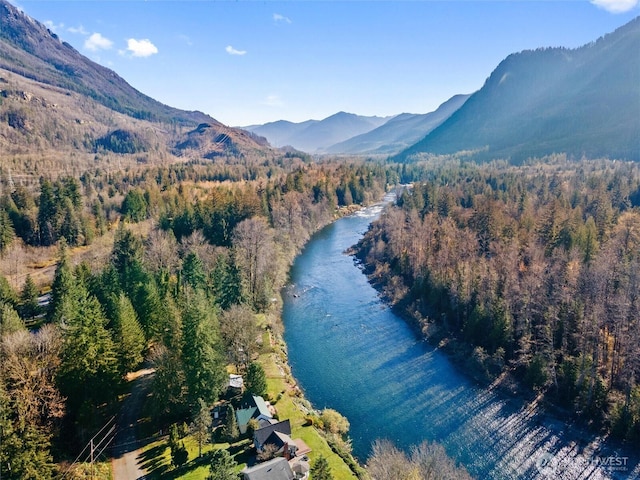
350, 352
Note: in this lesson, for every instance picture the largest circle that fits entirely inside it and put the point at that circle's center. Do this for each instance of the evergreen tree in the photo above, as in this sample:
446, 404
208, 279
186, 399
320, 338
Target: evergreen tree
256, 380
10, 321
193, 272
203, 363
126, 258
179, 455
105, 286
320, 470
173, 435
89, 373
64, 295
129, 336
230, 431
7, 233
202, 425
223, 466
7, 294
151, 308
134, 206
226, 282
47, 214
71, 227
29, 307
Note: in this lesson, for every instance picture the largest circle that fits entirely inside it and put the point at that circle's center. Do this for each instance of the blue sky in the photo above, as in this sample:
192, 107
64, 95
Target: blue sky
246, 62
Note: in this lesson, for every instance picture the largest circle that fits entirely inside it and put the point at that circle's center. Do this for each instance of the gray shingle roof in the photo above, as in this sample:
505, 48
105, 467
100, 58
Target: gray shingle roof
262, 434
276, 469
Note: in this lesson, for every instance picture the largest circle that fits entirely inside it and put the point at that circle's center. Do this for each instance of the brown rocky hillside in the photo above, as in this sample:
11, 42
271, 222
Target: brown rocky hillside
61, 113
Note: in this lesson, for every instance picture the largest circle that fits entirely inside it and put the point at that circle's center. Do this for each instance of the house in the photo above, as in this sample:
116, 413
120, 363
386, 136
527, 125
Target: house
276, 469
252, 406
278, 435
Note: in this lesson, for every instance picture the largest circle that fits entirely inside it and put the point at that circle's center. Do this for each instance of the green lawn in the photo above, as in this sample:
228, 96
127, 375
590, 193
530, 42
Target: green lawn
156, 457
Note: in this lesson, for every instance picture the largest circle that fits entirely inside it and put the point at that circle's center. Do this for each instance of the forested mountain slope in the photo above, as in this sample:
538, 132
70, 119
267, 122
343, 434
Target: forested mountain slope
581, 102
60, 109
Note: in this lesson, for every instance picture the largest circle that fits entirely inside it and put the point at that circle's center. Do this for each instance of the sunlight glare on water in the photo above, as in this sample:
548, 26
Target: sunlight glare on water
350, 352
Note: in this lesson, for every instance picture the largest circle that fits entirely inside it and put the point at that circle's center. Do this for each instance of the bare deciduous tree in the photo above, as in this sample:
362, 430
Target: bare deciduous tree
255, 253
161, 252
239, 334
30, 363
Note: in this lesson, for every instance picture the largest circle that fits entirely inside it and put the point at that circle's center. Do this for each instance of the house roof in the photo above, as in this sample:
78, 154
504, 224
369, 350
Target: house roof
265, 422
254, 401
279, 440
252, 406
301, 467
261, 435
243, 416
276, 469
262, 406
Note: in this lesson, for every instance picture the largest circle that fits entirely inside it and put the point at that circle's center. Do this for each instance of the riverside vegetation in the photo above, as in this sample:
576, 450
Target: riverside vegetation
171, 297
527, 272
528, 276
183, 297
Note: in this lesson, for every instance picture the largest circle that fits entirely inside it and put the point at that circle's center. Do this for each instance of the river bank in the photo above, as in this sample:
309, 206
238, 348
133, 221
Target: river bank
349, 351
285, 388
595, 443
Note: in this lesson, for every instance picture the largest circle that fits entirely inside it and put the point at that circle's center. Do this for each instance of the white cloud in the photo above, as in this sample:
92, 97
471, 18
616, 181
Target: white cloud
616, 6
141, 48
79, 30
186, 39
52, 26
273, 101
232, 51
281, 18
97, 42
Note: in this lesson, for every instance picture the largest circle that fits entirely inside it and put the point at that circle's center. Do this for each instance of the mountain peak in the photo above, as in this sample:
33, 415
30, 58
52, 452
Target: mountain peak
28, 48
580, 102
48, 73
316, 135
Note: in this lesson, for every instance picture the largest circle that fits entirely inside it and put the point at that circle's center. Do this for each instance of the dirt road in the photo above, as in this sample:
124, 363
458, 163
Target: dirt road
125, 464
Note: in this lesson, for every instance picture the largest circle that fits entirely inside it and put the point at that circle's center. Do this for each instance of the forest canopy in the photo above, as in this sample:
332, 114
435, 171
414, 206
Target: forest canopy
531, 272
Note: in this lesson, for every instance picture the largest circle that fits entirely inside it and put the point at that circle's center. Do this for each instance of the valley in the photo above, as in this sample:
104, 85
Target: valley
482, 323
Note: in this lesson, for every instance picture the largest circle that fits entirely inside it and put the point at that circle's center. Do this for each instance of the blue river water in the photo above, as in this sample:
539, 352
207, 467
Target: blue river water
350, 352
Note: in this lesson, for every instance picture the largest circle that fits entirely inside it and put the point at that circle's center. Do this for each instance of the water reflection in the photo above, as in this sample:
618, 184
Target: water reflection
351, 353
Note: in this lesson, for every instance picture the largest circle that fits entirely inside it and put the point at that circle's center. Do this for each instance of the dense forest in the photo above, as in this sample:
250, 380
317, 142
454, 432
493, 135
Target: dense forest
182, 297
528, 275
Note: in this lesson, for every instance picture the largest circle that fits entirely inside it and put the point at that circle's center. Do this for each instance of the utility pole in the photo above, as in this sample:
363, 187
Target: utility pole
92, 470
95, 448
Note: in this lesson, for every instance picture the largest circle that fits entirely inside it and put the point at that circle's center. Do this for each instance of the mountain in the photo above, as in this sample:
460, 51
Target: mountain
53, 99
281, 133
400, 132
316, 135
582, 102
